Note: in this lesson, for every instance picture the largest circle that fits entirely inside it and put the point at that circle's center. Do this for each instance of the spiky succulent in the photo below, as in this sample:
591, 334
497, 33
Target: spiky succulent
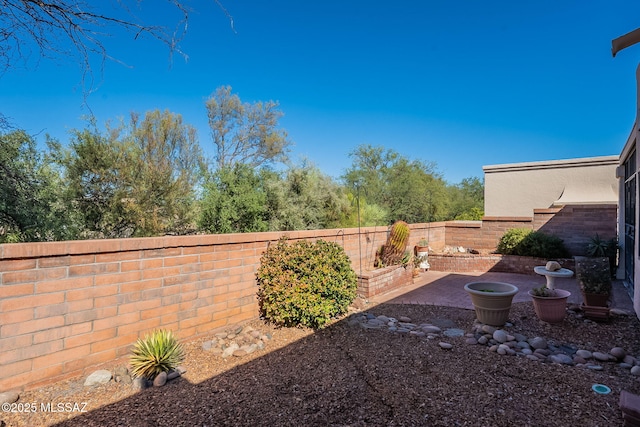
158, 352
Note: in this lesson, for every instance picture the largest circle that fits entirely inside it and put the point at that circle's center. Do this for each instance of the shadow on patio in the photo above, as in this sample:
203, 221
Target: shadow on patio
347, 375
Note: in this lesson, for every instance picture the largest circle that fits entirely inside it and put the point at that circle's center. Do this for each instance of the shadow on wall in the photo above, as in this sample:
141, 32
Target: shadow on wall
577, 224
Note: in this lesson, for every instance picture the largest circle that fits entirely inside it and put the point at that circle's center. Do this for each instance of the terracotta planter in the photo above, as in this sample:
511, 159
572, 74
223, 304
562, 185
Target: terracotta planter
596, 300
491, 301
551, 309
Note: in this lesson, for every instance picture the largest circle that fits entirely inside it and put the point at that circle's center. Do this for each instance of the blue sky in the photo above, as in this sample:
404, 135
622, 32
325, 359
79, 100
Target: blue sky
459, 83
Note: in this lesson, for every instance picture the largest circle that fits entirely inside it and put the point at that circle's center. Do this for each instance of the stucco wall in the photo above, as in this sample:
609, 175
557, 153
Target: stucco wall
519, 188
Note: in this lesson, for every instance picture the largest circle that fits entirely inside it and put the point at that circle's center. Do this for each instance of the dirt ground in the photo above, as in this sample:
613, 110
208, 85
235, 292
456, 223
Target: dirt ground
349, 376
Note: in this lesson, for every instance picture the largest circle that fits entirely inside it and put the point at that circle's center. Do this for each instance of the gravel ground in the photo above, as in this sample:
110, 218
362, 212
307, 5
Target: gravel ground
349, 376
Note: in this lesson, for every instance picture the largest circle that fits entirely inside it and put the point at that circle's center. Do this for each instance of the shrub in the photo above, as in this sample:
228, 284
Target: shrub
511, 239
157, 352
525, 242
304, 283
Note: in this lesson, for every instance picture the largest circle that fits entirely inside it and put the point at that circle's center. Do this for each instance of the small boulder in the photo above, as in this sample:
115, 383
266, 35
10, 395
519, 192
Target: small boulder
553, 266
101, 376
9, 397
160, 379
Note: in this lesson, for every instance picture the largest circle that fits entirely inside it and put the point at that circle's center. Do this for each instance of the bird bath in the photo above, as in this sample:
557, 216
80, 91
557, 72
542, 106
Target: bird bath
563, 273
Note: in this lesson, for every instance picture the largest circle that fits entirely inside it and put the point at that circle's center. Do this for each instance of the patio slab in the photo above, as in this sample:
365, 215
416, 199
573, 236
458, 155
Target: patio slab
447, 289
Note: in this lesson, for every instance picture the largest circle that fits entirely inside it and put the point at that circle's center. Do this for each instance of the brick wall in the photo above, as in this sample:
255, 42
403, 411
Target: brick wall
499, 263
66, 307
575, 225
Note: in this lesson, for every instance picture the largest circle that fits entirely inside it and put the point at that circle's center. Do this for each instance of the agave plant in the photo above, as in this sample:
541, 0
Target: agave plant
156, 353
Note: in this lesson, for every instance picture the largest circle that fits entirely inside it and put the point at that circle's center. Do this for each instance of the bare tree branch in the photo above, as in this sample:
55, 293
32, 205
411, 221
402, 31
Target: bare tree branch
50, 29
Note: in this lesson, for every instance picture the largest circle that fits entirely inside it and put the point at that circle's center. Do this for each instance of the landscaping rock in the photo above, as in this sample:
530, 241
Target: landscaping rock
101, 376
160, 379
9, 397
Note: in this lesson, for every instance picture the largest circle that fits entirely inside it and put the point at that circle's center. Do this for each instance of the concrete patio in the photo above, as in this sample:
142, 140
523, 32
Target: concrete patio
447, 289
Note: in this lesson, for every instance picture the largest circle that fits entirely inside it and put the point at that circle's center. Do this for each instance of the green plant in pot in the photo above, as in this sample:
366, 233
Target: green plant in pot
594, 278
550, 305
599, 248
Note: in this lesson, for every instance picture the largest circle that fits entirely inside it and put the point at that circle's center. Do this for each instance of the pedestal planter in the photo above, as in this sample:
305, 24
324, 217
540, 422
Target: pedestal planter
423, 252
551, 309
491, 301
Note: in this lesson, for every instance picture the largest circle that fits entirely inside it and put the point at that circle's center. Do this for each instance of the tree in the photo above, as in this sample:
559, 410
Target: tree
58, 28
165, 169
138, 179
305, 199
467, 199
409, 190
245, 133
234, 201
29, 192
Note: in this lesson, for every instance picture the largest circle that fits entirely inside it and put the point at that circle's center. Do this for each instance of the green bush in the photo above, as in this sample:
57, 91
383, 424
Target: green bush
156, 353
304, 283
525, 242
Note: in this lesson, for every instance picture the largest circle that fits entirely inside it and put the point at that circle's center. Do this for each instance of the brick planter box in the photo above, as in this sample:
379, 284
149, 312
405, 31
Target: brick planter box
494, 262
383, 280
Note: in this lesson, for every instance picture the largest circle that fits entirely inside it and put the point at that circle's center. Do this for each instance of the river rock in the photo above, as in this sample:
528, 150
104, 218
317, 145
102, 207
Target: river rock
445, 345
101, 376
585, 354
9, 397
160, 379
618, 352
500, 336
538, 343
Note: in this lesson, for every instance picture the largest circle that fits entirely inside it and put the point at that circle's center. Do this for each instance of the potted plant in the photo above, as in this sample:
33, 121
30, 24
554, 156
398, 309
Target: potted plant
599, 248
550, 305
491, 301
594, 279
422, 252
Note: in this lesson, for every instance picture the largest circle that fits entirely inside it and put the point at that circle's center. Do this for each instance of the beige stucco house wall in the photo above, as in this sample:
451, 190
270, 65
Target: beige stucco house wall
515, 190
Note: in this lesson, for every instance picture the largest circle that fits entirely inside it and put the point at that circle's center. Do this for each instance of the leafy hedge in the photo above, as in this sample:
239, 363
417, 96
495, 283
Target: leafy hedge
526, 242
305, 283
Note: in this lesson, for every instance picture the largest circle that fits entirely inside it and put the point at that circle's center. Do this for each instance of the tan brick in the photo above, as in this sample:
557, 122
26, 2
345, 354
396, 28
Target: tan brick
138, 306
16, 290
91, 292
91, 360
90, 338
140, 286
109, 279
16, 316
59, 357
138, 327
117, 256
12, 277
17, 264
10, 304
114, 342
31, 352
111, 322
64, 284
56, 334
130, 266
31, 379
94, 269
180, 260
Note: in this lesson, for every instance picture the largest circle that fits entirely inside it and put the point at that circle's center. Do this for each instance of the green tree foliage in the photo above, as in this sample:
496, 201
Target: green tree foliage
234, 201
305, 199
135, 180
370, 215
166, 167
526, 242
467, 199
29, 192
243, 132
410, 190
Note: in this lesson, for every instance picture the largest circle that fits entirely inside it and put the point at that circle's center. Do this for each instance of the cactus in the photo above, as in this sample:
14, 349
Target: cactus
393, 250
